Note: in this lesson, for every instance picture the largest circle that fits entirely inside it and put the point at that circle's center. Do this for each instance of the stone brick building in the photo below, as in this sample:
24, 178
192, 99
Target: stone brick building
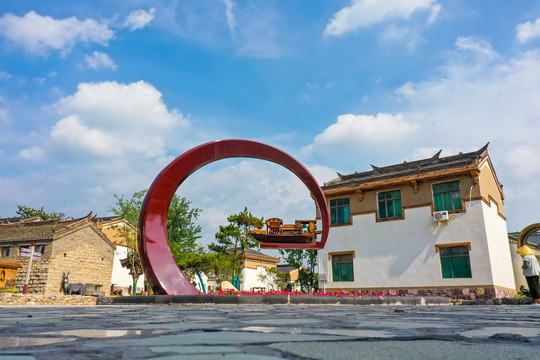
76, 246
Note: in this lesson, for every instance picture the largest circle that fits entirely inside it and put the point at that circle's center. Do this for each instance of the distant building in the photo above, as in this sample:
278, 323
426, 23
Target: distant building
432, 226
76, 246
254, 268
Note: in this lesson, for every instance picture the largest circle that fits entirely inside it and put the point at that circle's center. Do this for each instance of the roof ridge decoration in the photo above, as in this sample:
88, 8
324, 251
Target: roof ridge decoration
412, 167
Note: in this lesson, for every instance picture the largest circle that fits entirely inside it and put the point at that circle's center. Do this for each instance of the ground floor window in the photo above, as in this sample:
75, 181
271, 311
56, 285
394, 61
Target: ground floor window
5, 251
342, 268
455, 262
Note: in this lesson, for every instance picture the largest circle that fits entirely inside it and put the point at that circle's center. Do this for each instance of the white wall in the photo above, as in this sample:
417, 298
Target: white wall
120, 275
250, 279
517, 262
498, 247
401, 253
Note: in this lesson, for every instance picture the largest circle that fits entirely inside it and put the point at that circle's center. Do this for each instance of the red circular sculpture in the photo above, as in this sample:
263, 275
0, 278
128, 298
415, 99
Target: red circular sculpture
158, 263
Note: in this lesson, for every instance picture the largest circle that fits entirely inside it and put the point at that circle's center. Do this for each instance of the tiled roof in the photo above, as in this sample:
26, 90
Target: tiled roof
18, 219
432, 164
260, 254
285, 268
35, 231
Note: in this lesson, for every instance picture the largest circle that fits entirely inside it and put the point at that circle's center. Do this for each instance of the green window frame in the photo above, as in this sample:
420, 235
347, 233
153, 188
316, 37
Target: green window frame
340, 211
342, 268
389, 204
455, 262
447, 196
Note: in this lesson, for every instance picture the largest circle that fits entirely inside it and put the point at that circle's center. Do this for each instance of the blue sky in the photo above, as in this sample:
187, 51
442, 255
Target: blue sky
97, 97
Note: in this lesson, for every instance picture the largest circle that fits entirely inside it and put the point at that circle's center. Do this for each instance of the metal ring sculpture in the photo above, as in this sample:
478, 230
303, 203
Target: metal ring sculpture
158, 263
525, 233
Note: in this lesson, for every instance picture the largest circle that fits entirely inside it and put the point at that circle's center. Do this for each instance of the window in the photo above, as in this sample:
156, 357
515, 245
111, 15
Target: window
342, 268
447, 196
340, 211
455, 262
39, 249
5, 251
24, 249
389, 204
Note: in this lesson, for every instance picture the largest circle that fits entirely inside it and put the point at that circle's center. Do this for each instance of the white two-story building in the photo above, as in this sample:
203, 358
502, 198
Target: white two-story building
429, 227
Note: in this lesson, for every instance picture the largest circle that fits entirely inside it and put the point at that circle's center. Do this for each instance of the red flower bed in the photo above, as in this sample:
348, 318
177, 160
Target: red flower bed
284, 292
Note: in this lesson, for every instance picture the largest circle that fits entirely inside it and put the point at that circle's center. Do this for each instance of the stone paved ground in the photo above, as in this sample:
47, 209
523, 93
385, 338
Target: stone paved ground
269, 332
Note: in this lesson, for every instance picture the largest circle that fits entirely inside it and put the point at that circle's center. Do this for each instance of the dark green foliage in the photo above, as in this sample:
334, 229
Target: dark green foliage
181, 230
26, 212
306, 262
232, 241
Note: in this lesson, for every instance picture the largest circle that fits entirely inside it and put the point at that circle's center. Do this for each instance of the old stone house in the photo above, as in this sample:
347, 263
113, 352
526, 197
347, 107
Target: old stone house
431, 226
76, 246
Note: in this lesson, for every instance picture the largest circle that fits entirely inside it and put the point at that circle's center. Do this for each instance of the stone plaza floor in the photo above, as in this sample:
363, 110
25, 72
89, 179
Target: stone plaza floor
269, 332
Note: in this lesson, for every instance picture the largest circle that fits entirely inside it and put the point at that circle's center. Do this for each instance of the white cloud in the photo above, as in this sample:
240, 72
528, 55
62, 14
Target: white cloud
407, 90
524, 159
138, 19
528, 31
35, 153
112, 119
364, 13
39, 34
5, 76
366, 129
231, 21
99, 60
475, 45
267, 189
471, 101
402, 35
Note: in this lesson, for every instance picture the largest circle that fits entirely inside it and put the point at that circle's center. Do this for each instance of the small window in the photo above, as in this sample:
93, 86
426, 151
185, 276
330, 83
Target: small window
455, 262
389, 204
447, 196
340, 211
24, 249
39, 249
5, 251
342, 268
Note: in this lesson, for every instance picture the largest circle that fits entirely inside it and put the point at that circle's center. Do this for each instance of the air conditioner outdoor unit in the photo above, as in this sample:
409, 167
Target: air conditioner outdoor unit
441, 216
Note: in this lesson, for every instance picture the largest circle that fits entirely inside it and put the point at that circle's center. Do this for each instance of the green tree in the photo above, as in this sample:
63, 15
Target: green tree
272, 276
233, 239
299, 258
129, 210
26, 212
181, 230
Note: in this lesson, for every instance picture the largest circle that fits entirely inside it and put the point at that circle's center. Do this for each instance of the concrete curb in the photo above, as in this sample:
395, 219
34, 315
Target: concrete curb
279, 300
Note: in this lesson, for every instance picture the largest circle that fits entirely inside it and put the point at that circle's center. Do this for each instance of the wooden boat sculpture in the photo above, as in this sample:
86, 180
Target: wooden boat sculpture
303, 231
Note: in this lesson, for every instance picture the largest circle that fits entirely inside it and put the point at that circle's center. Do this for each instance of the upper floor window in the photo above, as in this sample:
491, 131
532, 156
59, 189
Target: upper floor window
5, 250
447, 196
39, 249
340, 211
455, 262
389, 204
342, 268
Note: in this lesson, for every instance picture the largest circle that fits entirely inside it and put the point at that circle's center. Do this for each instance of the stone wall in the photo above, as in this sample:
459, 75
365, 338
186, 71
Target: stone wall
84, 251
86, 255
451, 293
39, 271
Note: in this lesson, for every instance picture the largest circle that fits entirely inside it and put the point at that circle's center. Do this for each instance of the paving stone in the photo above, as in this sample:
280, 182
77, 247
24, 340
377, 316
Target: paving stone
269, 332
403, 350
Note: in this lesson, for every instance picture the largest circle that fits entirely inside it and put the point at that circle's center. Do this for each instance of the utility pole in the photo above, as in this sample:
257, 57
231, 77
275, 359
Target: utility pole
25, 288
